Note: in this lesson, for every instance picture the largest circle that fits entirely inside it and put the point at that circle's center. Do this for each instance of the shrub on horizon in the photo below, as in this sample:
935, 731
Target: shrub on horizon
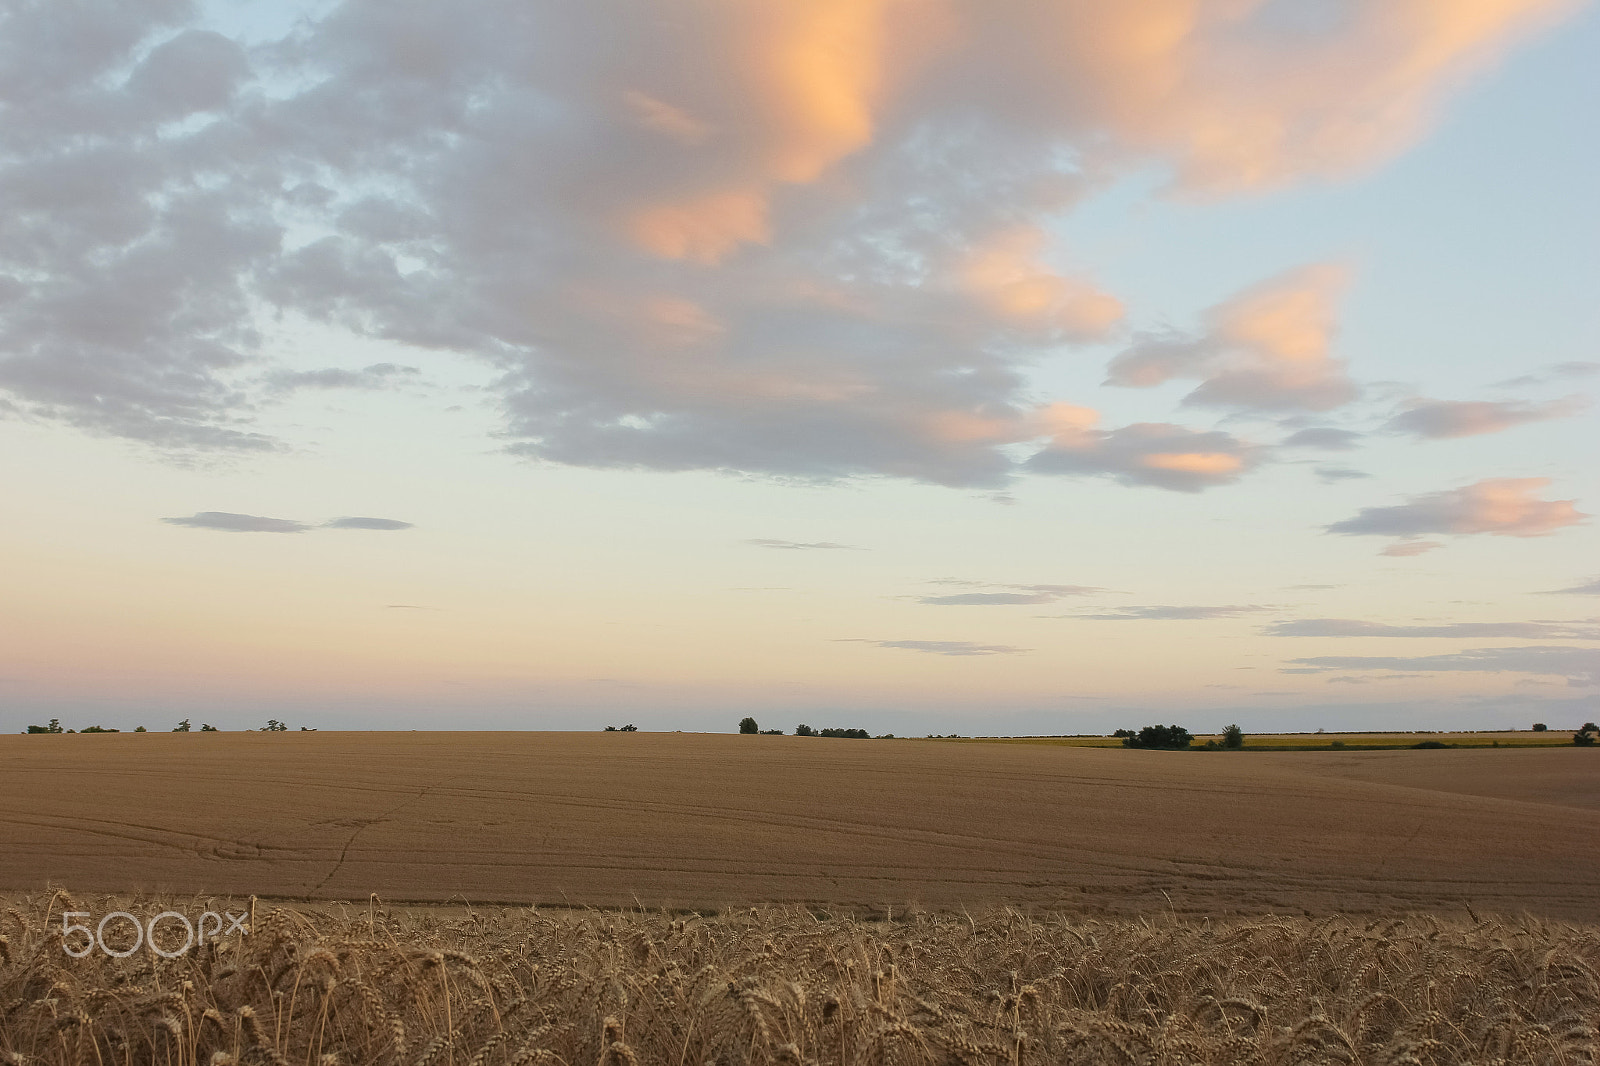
1233, 738
53, 727
1539, 727
1160, 738
1586, 736
748, 725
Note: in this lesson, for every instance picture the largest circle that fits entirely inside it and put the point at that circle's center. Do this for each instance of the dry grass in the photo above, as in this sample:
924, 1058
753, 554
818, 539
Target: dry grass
786, 986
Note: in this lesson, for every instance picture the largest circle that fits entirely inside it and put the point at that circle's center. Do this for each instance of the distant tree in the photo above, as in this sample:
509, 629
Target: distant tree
206, 727
1539, 727
274, 726
1233, 738
1123, 733
1162, 737
1586, 736
748, 725
629, 728
772, 732
140, 729
53, 727
853, 734
181, 727
99, 729
803, 730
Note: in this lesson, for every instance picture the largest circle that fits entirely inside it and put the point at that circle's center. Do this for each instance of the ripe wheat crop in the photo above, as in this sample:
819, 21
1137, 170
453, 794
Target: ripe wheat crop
791, 987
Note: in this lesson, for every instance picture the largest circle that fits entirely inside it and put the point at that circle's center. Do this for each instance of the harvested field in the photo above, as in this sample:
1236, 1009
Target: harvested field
785, 985
1324, 740
708, 821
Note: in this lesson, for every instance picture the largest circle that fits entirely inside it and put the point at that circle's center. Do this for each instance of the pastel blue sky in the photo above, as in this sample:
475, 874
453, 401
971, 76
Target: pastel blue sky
929, 367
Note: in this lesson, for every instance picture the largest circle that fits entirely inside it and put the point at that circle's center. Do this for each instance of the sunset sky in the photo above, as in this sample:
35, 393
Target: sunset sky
929, 366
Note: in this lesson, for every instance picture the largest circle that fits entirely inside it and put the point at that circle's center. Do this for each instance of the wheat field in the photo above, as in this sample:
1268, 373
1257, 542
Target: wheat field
362, 984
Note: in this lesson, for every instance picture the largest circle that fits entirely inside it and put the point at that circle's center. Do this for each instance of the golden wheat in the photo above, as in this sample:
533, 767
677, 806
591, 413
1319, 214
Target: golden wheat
330, 985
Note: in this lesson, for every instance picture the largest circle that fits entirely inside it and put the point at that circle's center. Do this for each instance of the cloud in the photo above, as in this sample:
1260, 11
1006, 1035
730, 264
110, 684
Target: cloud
1580, 666
1348, 627
1166, 613
1405, 549
1550, 373
1442, 419
795, 238
1147, 453
366, 523
1504, 507
1266, 349
1330, 475
238, 523
1590, 589
376, 376
248, 523
1026, 594
793, 545
940, 647
1324, 437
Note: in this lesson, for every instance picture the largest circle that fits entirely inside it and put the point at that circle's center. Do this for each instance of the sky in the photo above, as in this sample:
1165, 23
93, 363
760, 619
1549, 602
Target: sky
927, 366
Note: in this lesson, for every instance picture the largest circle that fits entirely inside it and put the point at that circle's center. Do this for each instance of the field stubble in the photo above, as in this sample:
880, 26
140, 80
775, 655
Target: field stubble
787, 985
701, 821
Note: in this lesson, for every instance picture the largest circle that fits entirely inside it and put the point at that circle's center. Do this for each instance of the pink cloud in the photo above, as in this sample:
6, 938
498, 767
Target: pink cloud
1504, 507
1441, 419
1266, 349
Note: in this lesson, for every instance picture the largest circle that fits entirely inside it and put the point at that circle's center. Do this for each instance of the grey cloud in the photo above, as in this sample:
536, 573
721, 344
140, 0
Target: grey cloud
1160, 612
1498, 506
1590, 589
1324, 437
941, 647
1026, 594
669, 263
128, 235
1329, 475
1570, 370
983, 599
238, 523
1580, 666
366, 523
1349, 627
1442, 419
1158, 454
376, 376
793, 545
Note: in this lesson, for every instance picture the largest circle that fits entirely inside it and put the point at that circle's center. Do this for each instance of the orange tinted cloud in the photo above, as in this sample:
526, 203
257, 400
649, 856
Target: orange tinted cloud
1242, 93
1268, 348
1504, 507
1007, 275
